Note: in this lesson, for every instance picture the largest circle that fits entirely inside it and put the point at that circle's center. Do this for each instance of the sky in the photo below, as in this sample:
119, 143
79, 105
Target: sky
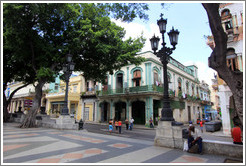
191, 21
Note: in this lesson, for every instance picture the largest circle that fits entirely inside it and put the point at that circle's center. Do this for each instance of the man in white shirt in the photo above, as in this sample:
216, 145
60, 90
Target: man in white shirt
195, 137
131, 123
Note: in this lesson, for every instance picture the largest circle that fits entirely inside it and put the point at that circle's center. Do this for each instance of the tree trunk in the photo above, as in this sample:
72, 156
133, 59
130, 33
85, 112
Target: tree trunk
30, 118
5, 108
217, 60
6, 102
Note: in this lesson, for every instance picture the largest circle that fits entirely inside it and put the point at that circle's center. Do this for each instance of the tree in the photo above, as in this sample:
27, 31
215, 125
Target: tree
217, 60
44, 33
14, 70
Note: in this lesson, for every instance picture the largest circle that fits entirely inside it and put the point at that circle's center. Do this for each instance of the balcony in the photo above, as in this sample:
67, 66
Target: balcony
147, 89
131, 90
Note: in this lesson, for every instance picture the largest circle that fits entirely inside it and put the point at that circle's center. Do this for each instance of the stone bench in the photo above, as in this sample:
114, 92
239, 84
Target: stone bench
173, 137
222, 148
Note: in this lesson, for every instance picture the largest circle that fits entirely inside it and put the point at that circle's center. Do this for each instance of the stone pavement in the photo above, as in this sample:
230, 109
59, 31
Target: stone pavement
42, 145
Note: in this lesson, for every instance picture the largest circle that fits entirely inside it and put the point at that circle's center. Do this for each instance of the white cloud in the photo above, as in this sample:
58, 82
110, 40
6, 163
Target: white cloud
135, 30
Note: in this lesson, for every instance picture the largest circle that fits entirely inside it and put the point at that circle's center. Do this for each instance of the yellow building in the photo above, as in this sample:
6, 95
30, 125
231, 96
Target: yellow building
55, 100
81, 98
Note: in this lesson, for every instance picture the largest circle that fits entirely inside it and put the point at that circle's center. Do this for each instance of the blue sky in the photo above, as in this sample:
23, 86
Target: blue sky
192, 22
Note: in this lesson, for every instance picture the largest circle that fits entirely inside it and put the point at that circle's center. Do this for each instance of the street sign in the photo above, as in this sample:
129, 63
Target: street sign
28, 103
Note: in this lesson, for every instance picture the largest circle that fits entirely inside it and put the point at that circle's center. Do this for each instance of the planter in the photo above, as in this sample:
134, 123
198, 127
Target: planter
213, 126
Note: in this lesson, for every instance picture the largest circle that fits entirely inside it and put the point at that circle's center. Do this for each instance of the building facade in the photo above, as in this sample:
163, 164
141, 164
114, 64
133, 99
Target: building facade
55, 98
22, 100
137, 91
232, 22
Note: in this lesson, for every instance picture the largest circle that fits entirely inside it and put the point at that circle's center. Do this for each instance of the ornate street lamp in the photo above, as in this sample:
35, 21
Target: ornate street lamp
67, 69
164, 55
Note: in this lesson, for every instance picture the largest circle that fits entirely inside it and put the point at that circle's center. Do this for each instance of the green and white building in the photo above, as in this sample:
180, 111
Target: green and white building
137, 91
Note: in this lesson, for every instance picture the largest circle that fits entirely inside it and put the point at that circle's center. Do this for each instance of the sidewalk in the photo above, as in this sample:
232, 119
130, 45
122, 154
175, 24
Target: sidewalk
43, 145
217, 135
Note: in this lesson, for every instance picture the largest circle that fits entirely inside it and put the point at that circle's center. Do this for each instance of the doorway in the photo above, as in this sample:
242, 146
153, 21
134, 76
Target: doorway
138, 112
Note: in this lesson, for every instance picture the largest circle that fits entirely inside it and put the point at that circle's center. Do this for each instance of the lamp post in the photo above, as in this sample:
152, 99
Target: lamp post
67, 69
164, 55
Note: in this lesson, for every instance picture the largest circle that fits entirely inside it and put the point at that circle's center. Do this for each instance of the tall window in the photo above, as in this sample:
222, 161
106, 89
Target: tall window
74, 88
105, 85
56, 86
156, 80
87, 86
193, 92
137, 78
179, 85
231, 59
187, 87
119, 79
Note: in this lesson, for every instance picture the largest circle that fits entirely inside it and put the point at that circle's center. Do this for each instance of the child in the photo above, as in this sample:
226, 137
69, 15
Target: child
110, 128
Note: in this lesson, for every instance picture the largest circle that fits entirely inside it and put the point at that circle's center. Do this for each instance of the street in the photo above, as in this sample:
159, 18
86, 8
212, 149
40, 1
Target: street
44, 145
137, 132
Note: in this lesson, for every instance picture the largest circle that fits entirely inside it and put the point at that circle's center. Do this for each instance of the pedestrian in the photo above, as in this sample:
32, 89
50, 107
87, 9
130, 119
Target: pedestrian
119, 126
194, 138
236, 133
156, 120
131, 123
201, 125
151, 123
110, 128
127, 123
116, 125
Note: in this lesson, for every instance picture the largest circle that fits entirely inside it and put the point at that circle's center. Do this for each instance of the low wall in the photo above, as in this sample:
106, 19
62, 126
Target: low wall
223, 148
171, 137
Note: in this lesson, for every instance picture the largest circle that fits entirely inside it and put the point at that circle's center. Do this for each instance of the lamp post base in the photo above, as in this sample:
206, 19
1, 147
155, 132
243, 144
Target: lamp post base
167, 114
168, 135
66, 122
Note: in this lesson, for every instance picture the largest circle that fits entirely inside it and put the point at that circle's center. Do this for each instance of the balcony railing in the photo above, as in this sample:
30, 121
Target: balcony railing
132, 90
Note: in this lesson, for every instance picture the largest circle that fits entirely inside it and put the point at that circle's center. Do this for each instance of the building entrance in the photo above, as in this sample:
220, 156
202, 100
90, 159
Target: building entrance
104, 112
120, 111
138, 112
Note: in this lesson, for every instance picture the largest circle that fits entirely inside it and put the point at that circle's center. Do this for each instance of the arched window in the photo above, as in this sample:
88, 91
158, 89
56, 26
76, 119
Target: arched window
225, 13
179, 85
231, 59
119, 81
137, 78
156, 78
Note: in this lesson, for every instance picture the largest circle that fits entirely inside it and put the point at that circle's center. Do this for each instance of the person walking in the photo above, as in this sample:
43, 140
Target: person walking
151, 123
110, 127
116, 125
201, 125
119, 126
127, 123
131, 123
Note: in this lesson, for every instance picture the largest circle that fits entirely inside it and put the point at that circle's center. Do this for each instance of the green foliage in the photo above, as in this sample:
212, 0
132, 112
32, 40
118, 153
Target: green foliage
37, 36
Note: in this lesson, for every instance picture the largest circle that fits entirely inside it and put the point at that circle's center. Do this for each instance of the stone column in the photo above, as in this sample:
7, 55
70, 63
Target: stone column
83, 109
127, 109
130, 111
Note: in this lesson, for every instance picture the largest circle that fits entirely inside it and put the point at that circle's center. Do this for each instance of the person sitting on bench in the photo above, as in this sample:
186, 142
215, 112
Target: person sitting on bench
195, 138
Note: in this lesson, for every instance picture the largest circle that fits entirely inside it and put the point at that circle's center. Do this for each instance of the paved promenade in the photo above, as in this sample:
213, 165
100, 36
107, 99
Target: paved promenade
42, 145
